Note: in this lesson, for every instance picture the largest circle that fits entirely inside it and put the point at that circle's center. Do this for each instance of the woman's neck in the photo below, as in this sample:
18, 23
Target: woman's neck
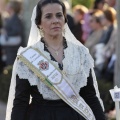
53, 41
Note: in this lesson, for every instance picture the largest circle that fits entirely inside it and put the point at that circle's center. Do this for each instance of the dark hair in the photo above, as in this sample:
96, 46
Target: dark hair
41, 4
96, 2
110, 14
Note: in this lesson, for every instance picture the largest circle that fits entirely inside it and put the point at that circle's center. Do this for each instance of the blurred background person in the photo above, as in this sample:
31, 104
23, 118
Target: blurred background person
97, 30
97, 5
109, 20
69, 16
105, 58
12, 31
86, 26
107, 45
110, 45
78, 14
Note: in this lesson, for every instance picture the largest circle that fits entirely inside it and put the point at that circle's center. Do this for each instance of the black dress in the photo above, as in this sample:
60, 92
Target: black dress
41, 109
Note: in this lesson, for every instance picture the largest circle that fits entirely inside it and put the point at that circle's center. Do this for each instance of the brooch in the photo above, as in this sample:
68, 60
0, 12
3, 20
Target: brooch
43, 65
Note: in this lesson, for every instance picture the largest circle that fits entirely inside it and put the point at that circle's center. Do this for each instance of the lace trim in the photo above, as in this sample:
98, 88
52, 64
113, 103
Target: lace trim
78, 64
25, 73
80, 68
96, 89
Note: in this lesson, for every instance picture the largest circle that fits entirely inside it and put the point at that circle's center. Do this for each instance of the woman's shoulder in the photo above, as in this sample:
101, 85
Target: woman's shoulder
22, 70
21, 49
85, 54
81, 50
76, 44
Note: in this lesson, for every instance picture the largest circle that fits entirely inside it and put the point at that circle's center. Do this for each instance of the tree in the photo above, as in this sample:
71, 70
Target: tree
117, 65
87, 3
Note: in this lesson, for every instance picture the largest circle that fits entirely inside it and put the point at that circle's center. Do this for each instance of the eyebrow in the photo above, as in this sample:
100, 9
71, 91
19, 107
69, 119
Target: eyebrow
51, 13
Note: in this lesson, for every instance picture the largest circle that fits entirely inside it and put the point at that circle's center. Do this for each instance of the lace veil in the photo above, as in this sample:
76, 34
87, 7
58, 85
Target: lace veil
33, 38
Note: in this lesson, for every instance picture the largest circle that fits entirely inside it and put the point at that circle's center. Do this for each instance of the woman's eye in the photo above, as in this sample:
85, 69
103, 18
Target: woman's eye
59, 15
48, 17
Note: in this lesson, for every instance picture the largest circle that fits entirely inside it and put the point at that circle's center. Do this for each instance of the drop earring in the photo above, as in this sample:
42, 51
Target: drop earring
64, 32
41, 32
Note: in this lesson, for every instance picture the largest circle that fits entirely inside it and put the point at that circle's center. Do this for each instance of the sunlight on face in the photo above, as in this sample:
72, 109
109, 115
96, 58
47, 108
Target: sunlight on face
53, 20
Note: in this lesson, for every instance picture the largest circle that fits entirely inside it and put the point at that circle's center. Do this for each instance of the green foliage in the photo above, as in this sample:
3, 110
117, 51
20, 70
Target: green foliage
5, 78
7, 0
87, 3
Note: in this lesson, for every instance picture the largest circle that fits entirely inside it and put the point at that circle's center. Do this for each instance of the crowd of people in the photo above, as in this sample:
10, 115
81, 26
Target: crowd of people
97, 30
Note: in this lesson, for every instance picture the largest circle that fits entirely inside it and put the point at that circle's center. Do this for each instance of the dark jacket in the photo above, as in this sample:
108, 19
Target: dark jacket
14, 27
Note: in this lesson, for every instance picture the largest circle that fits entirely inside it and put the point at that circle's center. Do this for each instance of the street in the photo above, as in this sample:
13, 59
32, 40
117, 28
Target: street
2, 110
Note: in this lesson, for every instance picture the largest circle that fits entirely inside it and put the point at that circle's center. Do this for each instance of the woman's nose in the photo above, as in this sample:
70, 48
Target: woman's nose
55, 20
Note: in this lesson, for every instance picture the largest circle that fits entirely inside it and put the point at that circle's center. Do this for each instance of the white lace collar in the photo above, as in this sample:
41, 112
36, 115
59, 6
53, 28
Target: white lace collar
76, 65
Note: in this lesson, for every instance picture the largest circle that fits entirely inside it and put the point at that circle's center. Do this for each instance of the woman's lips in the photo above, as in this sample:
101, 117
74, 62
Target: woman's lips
56, 28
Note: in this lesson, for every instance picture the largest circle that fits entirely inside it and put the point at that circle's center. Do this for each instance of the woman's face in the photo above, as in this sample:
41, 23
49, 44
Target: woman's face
77, 16
9, 9
52, 20
93, 23
100, 5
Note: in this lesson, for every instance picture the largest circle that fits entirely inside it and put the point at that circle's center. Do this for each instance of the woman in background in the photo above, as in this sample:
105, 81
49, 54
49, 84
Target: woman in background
78, 14
13, 30
106, 47
97, 30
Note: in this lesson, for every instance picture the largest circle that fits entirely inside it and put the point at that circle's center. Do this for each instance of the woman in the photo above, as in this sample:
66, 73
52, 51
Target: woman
61, 52
78, 14
97, 30
111, 22
106, 47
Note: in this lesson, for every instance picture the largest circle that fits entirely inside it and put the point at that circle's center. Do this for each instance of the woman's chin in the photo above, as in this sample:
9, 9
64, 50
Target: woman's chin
56, 34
